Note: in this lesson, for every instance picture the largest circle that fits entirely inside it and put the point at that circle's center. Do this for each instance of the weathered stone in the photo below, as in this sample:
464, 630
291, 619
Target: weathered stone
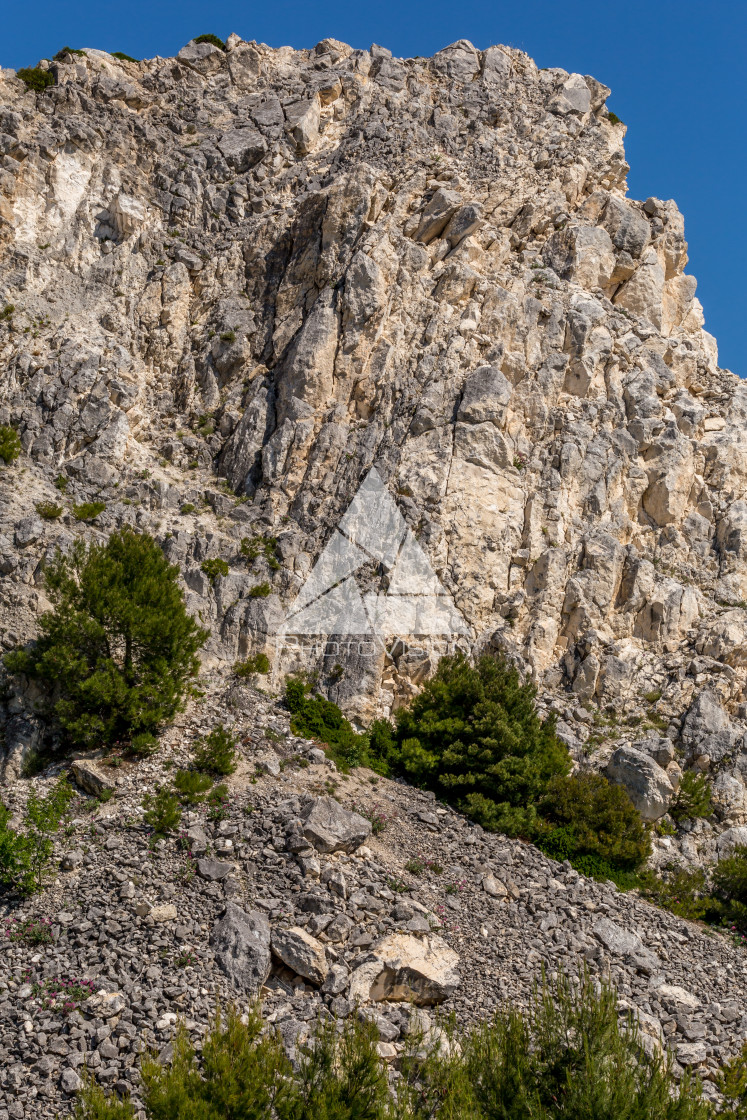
213, 870
331, 828
301, 952
242, 948
421, 970
648, 786
93, 777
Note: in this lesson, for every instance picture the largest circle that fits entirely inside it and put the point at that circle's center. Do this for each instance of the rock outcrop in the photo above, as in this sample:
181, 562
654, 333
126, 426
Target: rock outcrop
234, 287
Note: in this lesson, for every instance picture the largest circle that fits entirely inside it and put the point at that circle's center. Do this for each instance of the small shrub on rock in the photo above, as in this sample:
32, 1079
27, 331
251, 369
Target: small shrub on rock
88, 511
214, 568
211, 39
10, 444
124, 57
217, 753
144, 744
260, 663
730, 887
48, 511
35, 78
192, 786
26, 853
314, 717
253, 547
260, 591
163, 812
693, 798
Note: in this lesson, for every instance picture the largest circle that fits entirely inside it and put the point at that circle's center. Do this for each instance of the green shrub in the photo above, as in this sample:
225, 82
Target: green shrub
584, 815
7, 313
68, 50
217, 801
217, 753
731, 1082
313, 717
119, 648
192, 786
693, 798
144, 744
61, 483
163, 812
613, 118
260, 663
188, 507
25, 855
214, 568
88, 511
211, 39
730, 887
571, 1057
260, 591
10, 444
124, 57
35, 78
684, 893
473, 736
48, 511
253, 547
228, 336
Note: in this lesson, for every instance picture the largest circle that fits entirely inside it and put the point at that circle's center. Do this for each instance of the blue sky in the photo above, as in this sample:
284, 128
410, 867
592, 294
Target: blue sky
676, 70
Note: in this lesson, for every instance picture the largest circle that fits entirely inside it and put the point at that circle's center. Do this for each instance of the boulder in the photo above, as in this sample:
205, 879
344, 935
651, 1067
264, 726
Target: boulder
213, 870
92, 776
205, 58
301, 952
647, 784
243, 148
616, 939
707, 728
330, 828
23, 738
732, 838
302, 122
242, 948
405, 966
164, 912
677, 999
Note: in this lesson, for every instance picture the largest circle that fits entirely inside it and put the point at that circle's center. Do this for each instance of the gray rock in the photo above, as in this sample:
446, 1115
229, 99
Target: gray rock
330, 828
213, 870
615, 938
648, 786
69, 1081
28, 531
242, 948
301, 952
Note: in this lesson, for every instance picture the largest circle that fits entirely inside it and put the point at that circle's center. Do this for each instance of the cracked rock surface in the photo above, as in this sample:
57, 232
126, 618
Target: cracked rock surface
231, 282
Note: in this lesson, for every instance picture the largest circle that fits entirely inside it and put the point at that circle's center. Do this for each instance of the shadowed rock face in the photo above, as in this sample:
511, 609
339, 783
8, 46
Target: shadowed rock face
255, 274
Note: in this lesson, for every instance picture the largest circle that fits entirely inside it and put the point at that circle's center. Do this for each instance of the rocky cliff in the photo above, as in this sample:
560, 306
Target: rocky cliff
233, 281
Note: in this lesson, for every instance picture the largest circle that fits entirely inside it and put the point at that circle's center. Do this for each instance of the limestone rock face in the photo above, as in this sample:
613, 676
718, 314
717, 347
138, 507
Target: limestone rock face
235, 281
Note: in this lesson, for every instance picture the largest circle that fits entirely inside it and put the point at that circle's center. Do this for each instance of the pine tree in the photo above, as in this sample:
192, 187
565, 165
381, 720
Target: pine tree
119, 647
473, 735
